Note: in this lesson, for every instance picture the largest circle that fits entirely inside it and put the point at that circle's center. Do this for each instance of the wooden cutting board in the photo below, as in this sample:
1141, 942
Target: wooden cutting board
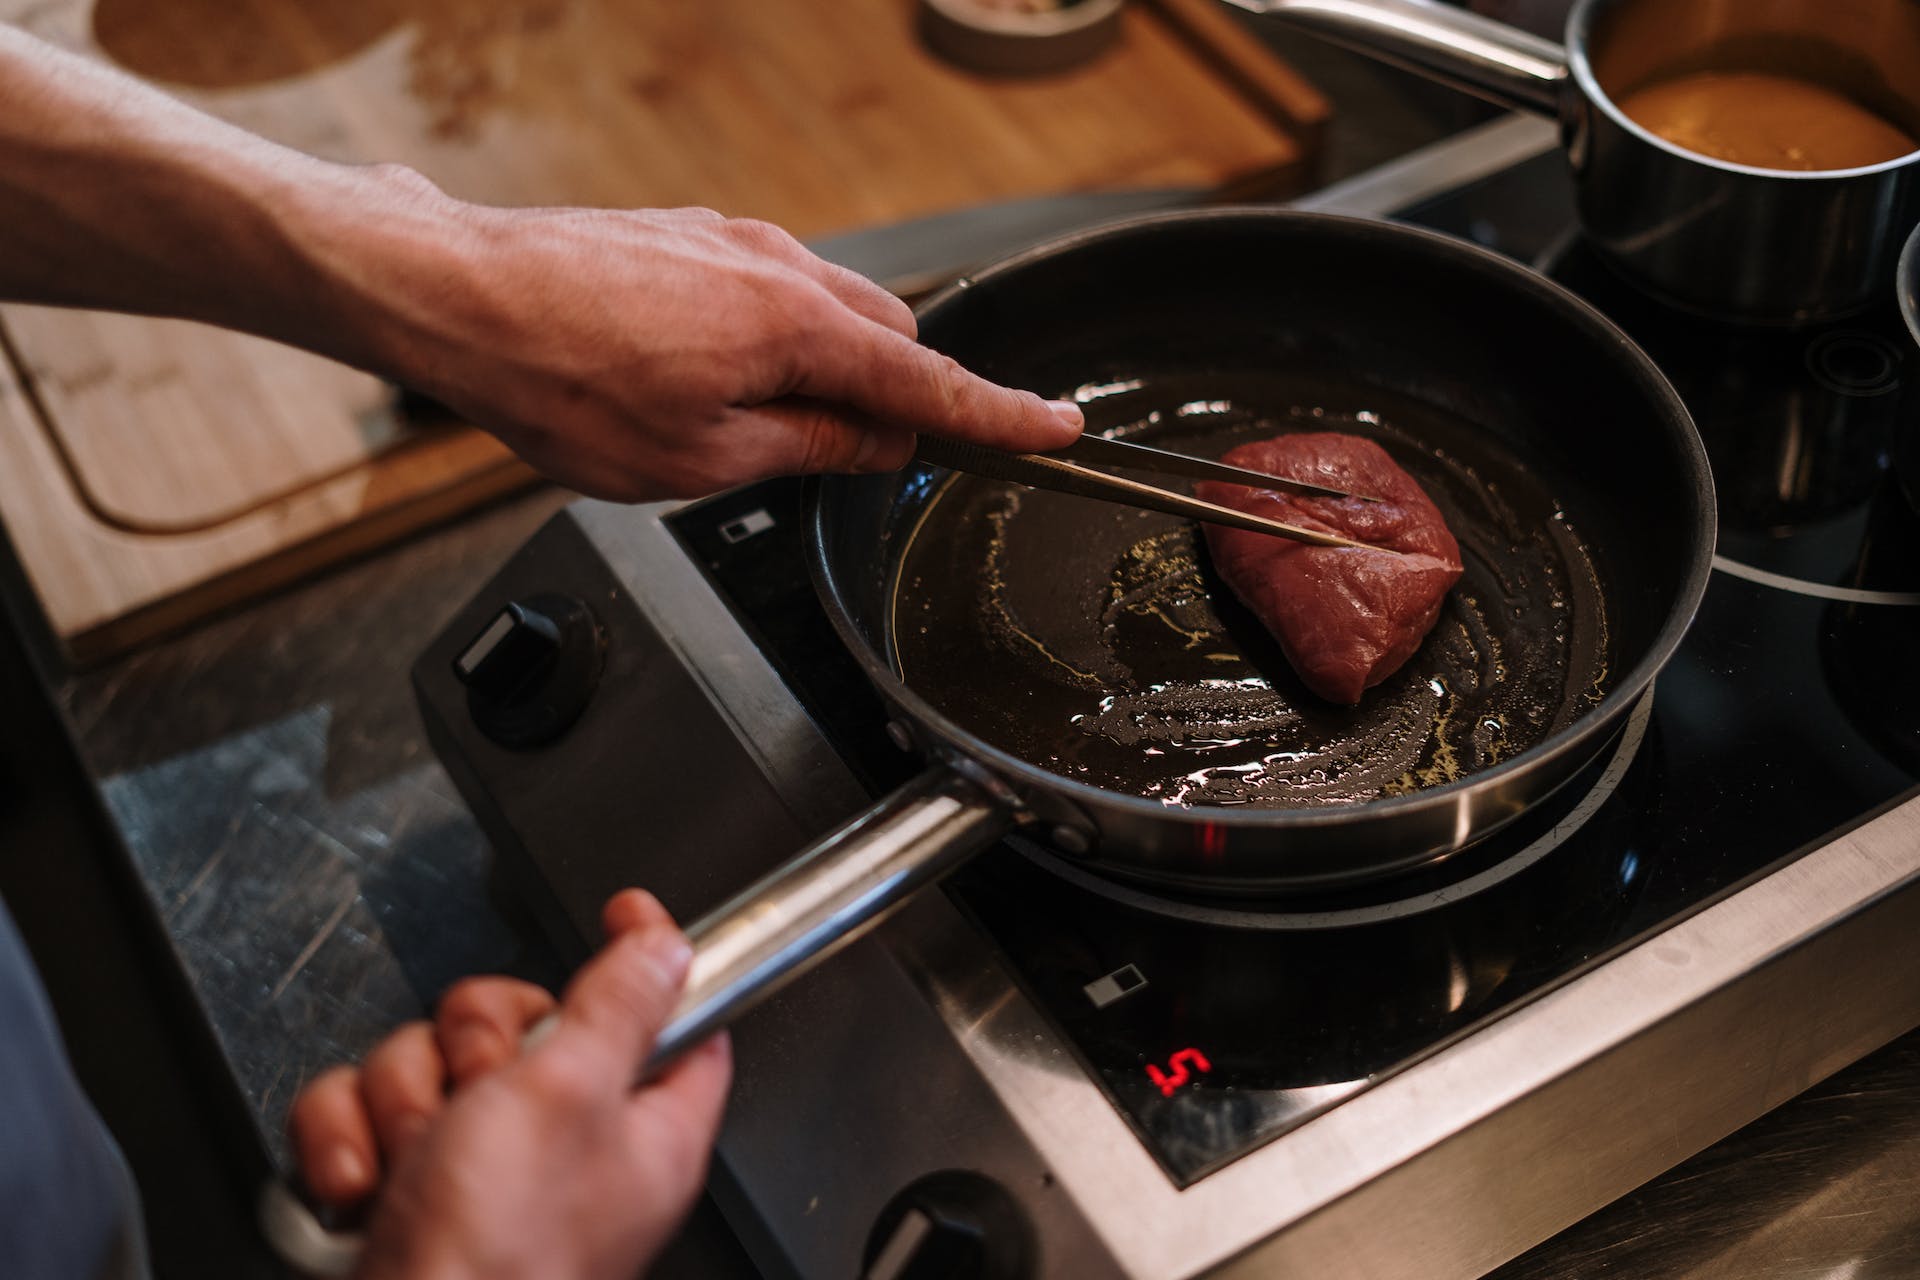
152, 471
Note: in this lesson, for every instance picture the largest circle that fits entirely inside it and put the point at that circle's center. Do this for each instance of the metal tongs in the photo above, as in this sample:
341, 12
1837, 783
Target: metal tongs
1068, 471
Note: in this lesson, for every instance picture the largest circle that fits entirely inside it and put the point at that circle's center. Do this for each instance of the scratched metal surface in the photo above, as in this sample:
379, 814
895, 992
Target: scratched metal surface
319, 876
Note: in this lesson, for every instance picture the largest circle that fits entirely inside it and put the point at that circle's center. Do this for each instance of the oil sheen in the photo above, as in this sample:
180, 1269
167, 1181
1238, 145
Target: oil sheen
1094, 640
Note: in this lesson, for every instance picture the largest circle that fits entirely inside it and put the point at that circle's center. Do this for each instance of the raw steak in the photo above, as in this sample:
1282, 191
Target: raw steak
1346, 619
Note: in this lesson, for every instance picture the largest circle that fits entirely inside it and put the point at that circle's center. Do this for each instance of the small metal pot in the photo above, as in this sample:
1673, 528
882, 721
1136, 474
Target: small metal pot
1730, 240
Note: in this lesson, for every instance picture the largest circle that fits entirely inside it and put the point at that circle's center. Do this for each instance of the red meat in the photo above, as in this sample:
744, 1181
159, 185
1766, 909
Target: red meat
1347, 619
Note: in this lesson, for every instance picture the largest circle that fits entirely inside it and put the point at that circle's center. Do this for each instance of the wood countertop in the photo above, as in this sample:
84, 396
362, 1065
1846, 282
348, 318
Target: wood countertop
154, 471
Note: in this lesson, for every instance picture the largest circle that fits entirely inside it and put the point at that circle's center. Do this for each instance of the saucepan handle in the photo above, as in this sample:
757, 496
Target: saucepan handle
1514, 68
753, 944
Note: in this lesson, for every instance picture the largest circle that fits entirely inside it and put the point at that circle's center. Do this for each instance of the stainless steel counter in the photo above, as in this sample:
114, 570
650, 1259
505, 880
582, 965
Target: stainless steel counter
319, 876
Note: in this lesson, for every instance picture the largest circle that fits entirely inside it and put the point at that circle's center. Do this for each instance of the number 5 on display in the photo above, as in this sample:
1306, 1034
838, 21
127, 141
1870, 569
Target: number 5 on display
1176, 1073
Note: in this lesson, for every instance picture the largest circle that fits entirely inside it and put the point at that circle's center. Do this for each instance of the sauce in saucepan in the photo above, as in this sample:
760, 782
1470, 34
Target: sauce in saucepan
1766, 121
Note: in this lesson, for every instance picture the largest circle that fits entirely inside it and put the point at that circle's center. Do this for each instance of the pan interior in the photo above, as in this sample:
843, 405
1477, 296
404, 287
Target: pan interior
1095, 640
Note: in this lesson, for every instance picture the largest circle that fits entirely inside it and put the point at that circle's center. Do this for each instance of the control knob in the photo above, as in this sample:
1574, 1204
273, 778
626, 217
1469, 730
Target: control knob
531, 669
952, 1225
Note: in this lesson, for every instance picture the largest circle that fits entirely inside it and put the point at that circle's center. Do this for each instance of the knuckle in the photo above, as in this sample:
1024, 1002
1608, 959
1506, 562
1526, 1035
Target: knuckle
396, 1044
635, 985
404, 1120
309, 1108
894, 452
561, 1080
405, 179
884, 307
757, 234
819, 444
766, 346
796, 313
811, 326
951, 383
468, 1000
902, 315
398, 1067
333, 1080
817, 317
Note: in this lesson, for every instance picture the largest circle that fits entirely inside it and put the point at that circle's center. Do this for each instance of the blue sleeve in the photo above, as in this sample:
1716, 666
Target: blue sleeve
67, 1208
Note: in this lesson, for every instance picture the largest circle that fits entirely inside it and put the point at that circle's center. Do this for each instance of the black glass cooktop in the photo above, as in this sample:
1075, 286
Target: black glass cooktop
1791, 712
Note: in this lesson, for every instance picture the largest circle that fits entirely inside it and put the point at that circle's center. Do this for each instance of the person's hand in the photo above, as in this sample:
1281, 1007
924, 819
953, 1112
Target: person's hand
670, 353
485, 1161
631, 355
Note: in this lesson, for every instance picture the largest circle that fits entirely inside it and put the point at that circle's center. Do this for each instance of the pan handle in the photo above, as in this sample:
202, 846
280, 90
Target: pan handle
756, 942
796, 916
1514, 68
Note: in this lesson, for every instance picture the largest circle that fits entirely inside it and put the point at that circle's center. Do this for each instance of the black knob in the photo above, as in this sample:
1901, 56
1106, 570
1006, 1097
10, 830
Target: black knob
952, 1225
531, 669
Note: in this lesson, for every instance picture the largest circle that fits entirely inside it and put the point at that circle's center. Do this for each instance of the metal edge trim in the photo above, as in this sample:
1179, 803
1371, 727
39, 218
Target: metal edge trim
1441, 166
1165, 1232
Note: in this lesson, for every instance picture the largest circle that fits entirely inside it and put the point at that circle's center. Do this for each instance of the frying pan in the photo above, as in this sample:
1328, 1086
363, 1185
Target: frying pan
1565, 464
1518, 405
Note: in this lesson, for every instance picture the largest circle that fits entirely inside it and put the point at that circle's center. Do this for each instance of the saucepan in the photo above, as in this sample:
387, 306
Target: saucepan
1724, 237
1070, 669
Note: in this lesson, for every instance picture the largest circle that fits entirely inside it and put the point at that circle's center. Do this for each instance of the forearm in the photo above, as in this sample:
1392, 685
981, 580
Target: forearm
115, 196
629, 353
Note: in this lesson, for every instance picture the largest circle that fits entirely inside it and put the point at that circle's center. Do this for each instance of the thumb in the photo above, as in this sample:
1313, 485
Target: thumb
621, 998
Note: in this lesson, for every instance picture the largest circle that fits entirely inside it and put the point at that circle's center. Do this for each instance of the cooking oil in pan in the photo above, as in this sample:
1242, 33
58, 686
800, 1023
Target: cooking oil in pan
1096, 641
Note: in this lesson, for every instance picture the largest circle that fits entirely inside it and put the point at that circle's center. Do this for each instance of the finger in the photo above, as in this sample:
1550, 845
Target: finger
683, 213
892, 379
632, 909
403, 1083
852, 289
481, 1021
618, 1001
676, 1117
333, 1138
806, 437
884, 449
865, 297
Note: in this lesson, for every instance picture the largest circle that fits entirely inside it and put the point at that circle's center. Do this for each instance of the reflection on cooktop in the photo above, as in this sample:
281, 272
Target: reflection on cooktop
1805, 427
1802, 426
1223, 1024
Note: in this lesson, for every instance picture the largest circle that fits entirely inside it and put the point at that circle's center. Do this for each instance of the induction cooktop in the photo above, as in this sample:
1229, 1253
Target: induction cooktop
1040, 1072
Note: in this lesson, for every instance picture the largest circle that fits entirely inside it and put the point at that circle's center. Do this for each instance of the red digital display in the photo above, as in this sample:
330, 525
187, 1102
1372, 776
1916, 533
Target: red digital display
1180, 1071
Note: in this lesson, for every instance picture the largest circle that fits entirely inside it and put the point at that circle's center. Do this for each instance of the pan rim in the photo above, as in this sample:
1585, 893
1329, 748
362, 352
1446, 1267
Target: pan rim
1585, 732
